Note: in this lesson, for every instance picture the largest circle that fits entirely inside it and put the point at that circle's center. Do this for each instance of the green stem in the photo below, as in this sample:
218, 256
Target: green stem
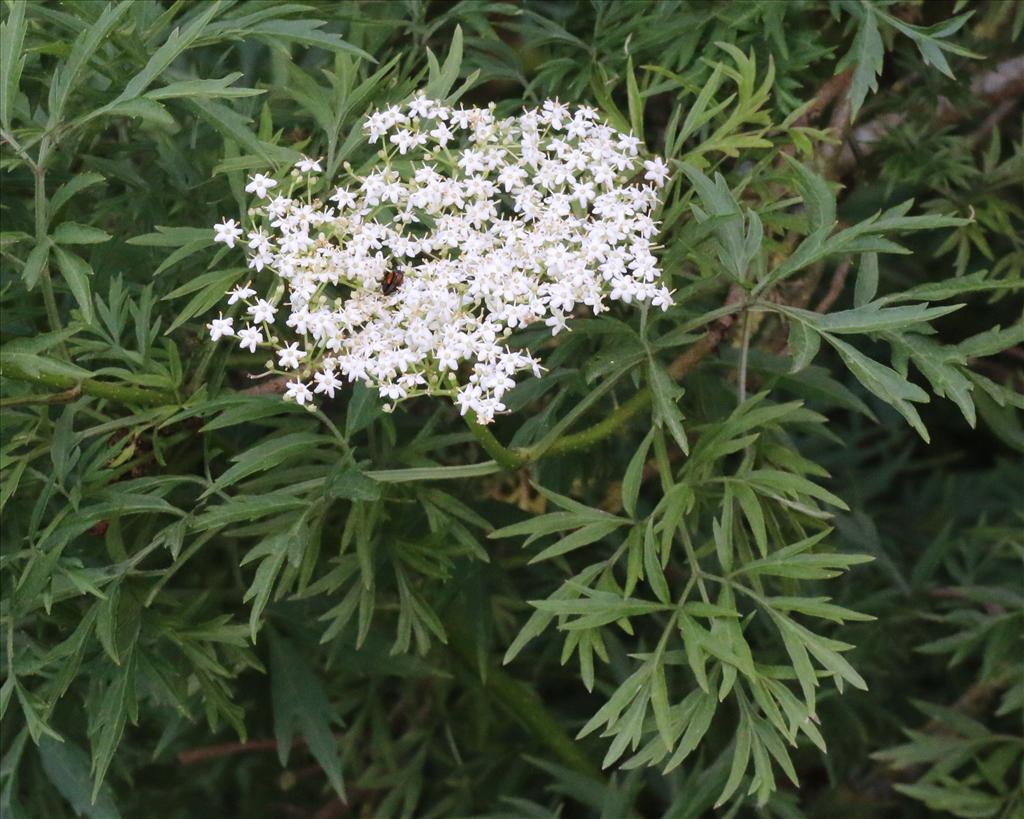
11, 140
744, 353
506, 458
45, 281
62, 397
586, 438
10, 368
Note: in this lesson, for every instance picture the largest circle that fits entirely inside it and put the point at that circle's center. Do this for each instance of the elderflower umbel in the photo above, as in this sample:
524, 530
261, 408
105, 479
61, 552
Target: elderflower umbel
483, 226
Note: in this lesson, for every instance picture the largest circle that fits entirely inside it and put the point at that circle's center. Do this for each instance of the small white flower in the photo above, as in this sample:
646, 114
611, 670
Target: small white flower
657, 171
227, 232
290, 356
221, 327
421, 106
249, 337
260, 185
326, 382
442, 134
241, 292
307, 165
298, 392
345, 198
262, 311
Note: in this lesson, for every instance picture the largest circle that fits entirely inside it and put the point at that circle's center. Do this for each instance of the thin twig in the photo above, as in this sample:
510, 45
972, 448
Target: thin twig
208, 752
836, 287
954, 593
988, 125
833, 87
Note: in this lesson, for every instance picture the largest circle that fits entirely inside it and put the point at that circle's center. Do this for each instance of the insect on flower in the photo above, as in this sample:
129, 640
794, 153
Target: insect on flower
391, 282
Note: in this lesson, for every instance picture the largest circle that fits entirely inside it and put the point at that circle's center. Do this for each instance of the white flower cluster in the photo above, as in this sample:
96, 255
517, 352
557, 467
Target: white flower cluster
412, 277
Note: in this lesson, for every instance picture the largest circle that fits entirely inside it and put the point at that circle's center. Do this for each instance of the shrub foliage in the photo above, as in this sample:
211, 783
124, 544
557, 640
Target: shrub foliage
758, 555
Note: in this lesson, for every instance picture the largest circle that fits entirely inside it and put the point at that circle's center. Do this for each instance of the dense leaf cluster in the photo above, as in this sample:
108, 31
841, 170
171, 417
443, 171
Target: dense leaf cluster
758, 555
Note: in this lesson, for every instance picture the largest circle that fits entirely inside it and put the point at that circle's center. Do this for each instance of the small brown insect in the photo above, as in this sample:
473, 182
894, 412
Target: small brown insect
391, 282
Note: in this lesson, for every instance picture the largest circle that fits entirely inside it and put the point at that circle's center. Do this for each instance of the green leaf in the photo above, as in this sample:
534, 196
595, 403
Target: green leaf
992, 341
246, 508
885, 383
351, 484
825, 651
818, 607
635, 101
65, 192
652, 564
953, 797
72, 233
590, 533
442, 78
804, 343
12, 58
149, 111
539, 620
301, 707
666, 393
953, 288
117, 702
85, 46
804, 567
805, 673
267, 455
172, 236
866, 285
35, 263
695, 731
237, 129
634, 475
740, 760
943, 367
30, 710
434, 473
206, 298
693, 641
752, 511
118, 622
659, 704
873, 318
274, 550
722, 207
213, 88
76, 272
790, 483
819, 201
281, 33
177, 42
67, 767
867, 55
597, 608
363, 409
244, 408
930, 40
